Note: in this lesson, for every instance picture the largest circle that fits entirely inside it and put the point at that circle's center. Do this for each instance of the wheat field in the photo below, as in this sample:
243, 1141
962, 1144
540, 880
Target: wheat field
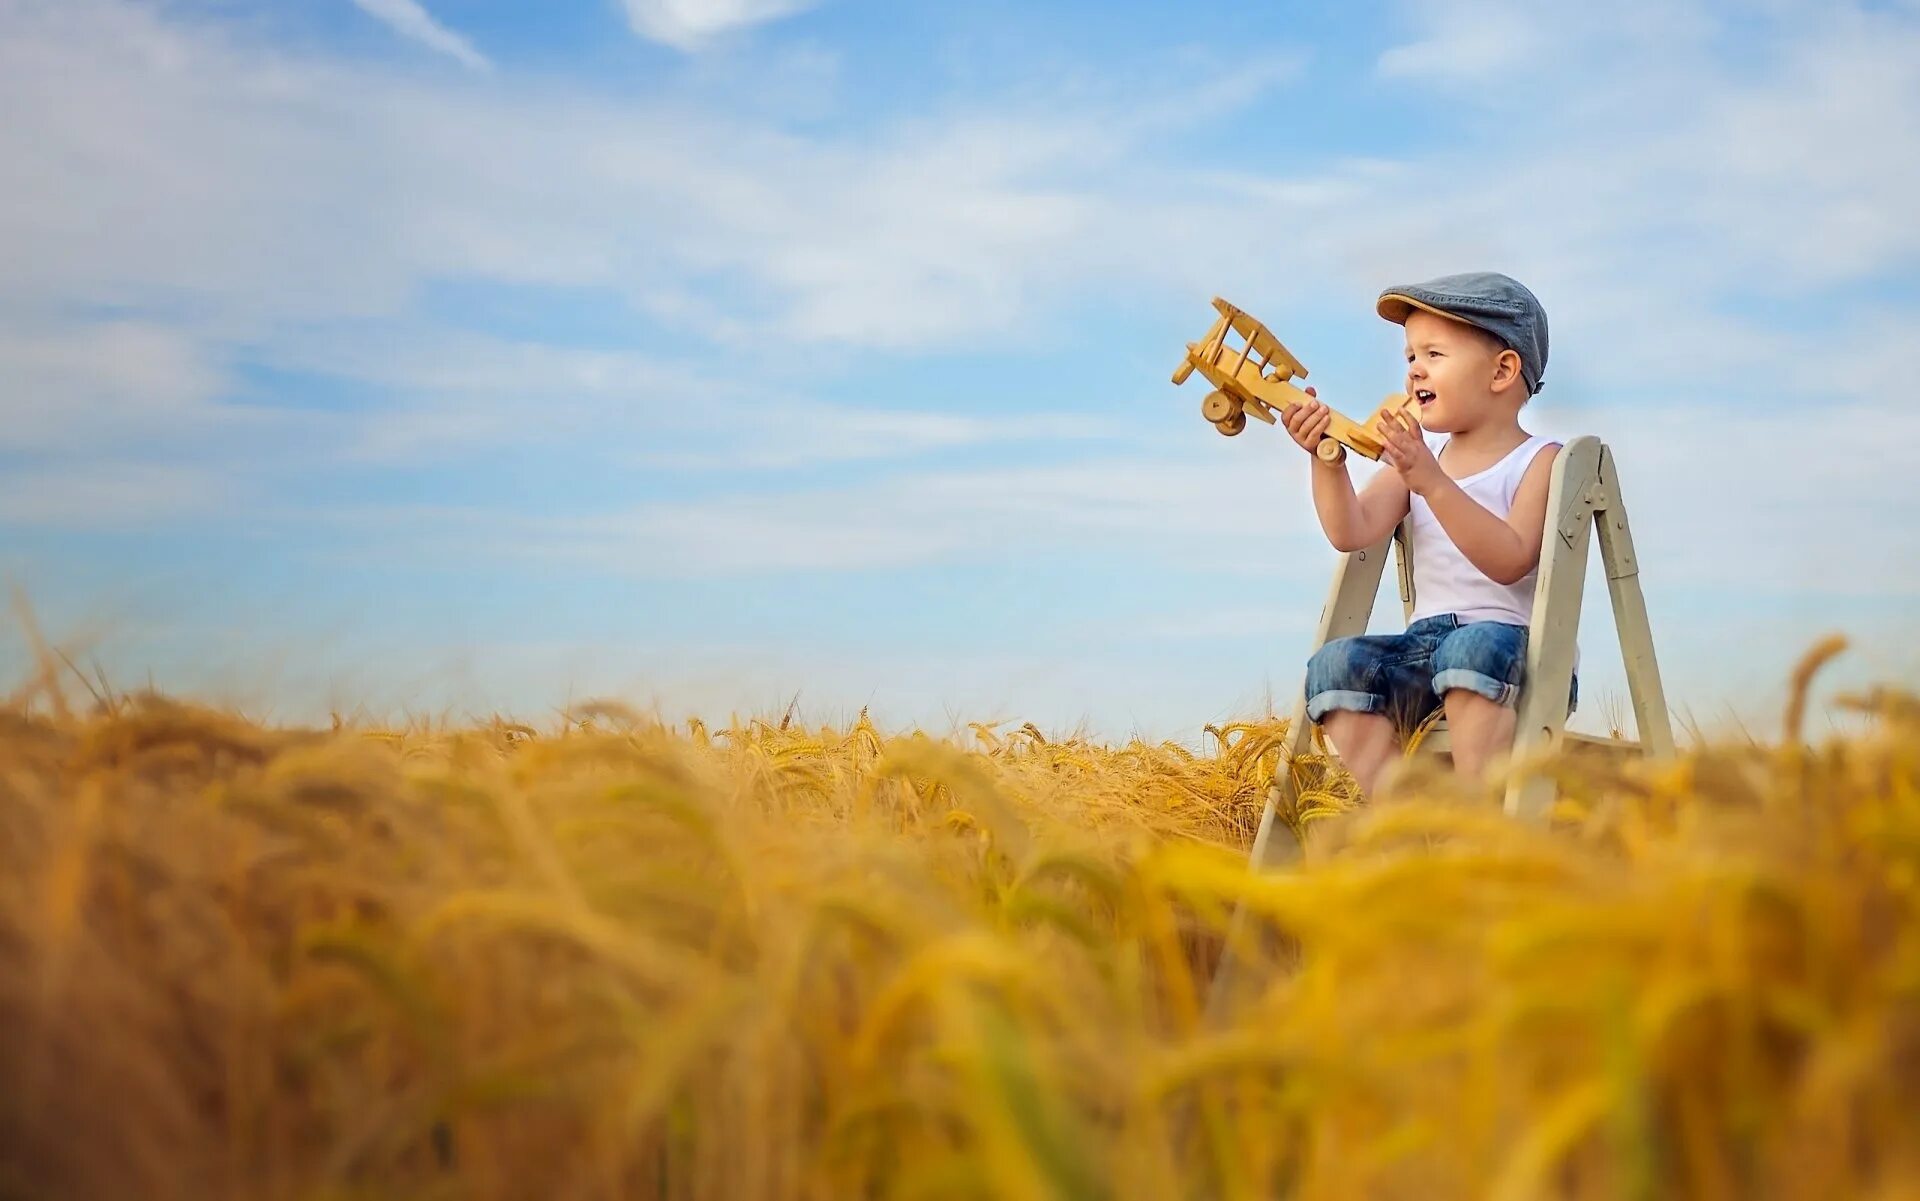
620, 958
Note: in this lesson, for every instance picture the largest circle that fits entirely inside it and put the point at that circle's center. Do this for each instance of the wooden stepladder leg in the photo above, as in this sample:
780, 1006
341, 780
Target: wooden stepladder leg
1356, 581
1575, 492
1349, 604
1630, 618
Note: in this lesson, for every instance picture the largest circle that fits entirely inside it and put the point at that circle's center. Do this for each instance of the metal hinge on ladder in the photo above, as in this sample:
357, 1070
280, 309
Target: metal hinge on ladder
1593, 498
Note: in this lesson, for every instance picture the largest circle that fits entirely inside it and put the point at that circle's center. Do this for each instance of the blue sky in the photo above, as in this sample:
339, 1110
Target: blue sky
464, 355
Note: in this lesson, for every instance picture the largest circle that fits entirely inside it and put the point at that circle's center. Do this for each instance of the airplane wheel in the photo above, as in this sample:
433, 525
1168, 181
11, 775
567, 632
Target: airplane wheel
1217, 407
1232, 425
1330, 451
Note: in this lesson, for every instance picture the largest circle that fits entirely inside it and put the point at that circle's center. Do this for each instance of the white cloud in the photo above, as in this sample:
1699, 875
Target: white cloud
415, 23
1239, 512
64, 385
1492, 51
758, 432
107, 495
302, 190
458, 391
295, 189
693, 24
1466, 41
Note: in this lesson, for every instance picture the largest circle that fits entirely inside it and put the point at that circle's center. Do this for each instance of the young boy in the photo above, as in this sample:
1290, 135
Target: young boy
1476, 345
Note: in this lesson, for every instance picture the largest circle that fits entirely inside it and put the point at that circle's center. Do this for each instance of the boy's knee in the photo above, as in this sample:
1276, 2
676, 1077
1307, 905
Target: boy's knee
1464, 700
1465, 682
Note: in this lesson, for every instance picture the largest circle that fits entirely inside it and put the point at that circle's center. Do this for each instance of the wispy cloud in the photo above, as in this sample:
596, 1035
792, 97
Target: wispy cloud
1467, 40
66, 385
1492, 51
917, 233
415, 23
1160, 511
273, 202
775, 434
108, 494
693, 24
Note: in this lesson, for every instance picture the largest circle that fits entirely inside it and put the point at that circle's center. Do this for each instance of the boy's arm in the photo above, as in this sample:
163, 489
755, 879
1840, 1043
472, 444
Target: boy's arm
1505, 550
1355, 522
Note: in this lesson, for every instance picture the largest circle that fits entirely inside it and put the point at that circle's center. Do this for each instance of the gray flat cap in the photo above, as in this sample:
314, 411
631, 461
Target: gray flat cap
1497, 303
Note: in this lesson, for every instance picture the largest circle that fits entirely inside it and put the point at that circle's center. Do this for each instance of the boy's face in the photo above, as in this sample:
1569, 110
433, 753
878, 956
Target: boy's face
1450, 370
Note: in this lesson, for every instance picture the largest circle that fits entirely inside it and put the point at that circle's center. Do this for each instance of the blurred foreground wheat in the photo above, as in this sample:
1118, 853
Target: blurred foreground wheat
615, 959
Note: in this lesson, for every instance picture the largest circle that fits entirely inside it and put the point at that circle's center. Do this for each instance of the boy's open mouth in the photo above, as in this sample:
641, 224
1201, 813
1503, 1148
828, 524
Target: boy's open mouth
1423, 396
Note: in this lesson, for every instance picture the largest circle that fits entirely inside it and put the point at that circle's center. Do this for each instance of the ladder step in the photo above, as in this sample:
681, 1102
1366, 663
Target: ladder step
1438, 741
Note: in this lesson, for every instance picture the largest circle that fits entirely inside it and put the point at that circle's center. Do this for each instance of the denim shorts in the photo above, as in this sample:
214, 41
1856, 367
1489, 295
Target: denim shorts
1405, 675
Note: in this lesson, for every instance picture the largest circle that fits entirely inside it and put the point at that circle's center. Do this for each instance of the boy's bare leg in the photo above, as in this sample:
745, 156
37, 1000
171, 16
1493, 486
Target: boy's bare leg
1366, 742
1480, 729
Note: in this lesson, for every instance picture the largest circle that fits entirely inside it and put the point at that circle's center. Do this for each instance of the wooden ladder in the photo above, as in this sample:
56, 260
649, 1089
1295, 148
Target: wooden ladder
1584, 494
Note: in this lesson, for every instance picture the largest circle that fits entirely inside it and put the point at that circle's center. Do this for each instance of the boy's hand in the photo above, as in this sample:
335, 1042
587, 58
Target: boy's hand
1308, 422
1408, 453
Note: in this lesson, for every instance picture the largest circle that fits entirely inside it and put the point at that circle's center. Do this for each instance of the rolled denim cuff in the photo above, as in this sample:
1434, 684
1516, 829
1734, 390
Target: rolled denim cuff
1322, 703
1498, 691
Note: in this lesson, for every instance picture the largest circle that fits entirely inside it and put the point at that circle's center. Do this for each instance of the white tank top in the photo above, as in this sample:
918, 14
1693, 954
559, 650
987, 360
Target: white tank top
1444, 581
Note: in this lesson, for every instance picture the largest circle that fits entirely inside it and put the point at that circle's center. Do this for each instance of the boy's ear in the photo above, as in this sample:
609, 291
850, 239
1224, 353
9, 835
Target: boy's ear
1506, 370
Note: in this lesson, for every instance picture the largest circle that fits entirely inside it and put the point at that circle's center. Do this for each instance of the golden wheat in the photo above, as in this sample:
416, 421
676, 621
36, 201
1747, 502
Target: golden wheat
622, 959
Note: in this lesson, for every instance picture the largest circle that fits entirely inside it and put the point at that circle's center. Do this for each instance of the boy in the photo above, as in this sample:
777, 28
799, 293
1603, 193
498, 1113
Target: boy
1476, 346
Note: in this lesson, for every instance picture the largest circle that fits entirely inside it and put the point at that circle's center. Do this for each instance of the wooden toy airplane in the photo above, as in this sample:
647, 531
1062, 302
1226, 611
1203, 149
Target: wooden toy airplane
1254, 378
